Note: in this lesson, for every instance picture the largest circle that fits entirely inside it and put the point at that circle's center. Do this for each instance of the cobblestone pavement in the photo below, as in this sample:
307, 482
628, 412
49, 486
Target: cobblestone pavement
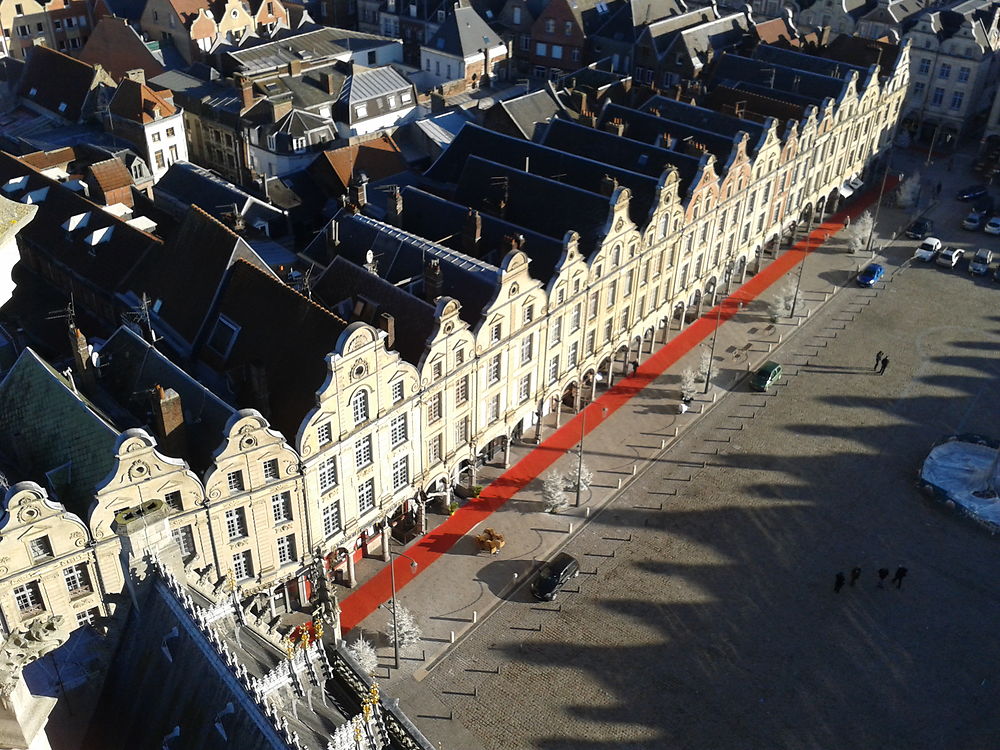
706, 616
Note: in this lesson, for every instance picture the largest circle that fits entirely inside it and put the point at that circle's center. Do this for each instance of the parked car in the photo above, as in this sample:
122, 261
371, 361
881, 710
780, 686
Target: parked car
971, 193
928, 249
973, 222
767, 375
983, 206
871, 275
979, 264
996, 274
920, 229
553, 576
993, 225
950, 256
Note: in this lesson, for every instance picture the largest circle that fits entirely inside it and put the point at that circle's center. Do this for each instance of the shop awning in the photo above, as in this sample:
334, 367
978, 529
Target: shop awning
845, 190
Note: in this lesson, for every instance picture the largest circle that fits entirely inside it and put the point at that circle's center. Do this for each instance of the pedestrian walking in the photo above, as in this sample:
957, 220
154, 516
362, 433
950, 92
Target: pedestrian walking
885, 363
878, 359
635, 366
855, 575
847, 221
898, 578
883, 573
838, 583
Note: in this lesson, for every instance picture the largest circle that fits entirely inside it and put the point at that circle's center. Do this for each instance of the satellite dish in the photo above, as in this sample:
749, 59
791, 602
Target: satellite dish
369, 256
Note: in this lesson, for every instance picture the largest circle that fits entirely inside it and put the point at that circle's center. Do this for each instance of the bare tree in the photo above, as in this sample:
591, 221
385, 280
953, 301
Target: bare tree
688, 381
554, 491
586, 476
909, 191
406, 626
857, 233
364, 654
704, 365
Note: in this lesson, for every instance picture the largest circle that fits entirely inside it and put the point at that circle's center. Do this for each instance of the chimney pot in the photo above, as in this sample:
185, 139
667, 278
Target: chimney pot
168, 421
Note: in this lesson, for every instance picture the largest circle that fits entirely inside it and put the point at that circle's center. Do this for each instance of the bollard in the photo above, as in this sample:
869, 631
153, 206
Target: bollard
663, 444
675, 432
769, 346
619, 482
570, 529
586, 512
453, 635
779, 338
475, 617
634, 467
715, 395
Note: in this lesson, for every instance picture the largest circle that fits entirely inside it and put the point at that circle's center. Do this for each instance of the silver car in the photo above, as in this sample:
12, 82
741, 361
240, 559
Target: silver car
980, 263
950, 256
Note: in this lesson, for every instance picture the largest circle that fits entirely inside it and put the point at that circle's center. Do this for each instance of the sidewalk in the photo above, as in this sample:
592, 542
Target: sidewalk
455, 586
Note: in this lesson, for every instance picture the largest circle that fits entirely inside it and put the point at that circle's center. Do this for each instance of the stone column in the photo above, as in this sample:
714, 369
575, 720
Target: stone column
611, 371
558, 410
506, 452
351, 577
538, 424
386, 535
593, 387
421, 517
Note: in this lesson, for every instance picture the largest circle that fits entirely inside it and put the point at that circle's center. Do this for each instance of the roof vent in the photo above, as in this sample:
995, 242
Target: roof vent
77, 221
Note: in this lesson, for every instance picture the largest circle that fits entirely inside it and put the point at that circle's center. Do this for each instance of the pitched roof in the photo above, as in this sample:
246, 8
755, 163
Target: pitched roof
526, 112
378, 158
260, 55
188, 10
776, 30
463, 34
185, 184
62, 442
57, 82
110, 175
280, 331
139, 103
186, 274
116, 46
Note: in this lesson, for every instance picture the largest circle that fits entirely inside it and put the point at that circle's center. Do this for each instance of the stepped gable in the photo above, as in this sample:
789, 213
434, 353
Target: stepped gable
426, 214
572, 169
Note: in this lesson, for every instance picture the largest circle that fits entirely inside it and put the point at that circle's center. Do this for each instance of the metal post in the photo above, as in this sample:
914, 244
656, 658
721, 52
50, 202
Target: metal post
711, 358
392, 580
579, 460
878, 205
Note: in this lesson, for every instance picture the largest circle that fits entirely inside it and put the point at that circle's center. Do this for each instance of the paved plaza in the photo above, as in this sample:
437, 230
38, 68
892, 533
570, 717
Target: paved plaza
706, 617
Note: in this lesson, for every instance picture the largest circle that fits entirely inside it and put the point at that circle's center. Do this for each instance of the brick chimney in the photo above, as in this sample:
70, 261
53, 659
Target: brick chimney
394, 214
358, 189
329, 83
246, 93
168, 422
294, 67
472, 233
83, 366
387, 323
433, 280
138, 75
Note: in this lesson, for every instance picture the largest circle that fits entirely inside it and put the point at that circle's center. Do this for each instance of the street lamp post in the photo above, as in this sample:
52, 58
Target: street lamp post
715, 335
878, 205
579, 454
392, 579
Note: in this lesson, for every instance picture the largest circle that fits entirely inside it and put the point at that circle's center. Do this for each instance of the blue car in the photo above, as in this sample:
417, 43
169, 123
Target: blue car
871, 275
971, 193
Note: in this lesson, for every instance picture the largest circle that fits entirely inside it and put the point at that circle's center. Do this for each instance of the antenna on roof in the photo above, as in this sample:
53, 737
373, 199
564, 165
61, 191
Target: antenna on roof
68, 313
139, 320
772, 71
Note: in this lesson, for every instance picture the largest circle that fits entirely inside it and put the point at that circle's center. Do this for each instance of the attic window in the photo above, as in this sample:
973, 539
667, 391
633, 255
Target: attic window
99, 236
405, 96
32, 91
77, 221
361, 110
15, 184
223, 336
440, 16
35, 196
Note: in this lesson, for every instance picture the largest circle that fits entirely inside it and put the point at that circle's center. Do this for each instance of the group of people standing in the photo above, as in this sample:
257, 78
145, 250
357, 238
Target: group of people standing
883, 573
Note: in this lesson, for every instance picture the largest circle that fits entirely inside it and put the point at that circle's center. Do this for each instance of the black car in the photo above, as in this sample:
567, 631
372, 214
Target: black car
971, 193
553, 576
920, 229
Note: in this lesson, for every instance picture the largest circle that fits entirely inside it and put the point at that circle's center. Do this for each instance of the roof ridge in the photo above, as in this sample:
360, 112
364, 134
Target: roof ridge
295, 291
205, 214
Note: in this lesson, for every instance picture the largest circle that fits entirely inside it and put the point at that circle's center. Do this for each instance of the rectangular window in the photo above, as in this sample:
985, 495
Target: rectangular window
281, 507
557, 330
434, 408
397, 391
493, 375
242, 565
77, 581
434, 449
553, 369
400, 473
462, 390
184, 537
286, 549
494, 409
524, 389
574, 353
540, 49
361, 111
612, 292
366, 496
591, 341
556, 53
327, 474
594, 301
529, 314
271, 469
495, 334
459, 356
174, 154
173, 500
235, 481
963, 75
956, 100
155, 137
525, 43
608, 326
397, 431
624, 321
527, 349
937, 98
363, 452
574, 320
944, 71
437, 369
40, 548
160, 161
918, 87
29, 599
331, 520
87, 617
236, 524
462, 431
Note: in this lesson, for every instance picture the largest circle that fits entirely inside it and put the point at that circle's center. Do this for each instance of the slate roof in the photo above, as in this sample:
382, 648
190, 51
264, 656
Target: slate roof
753, 105
312, 45
199, 95
139, 103
66, 446
775, 30
779, 81
626, 19
281, 331
110, 174
570, 169
699, 42
813, 64
430, 215
676, 136
366, 84
378, 158
102, 251
57, 79
131, 368
185, 184
116, 46
463, 34
343, 284
700, 119
863, 52
526, 112
401, 255
185, 275
663, 33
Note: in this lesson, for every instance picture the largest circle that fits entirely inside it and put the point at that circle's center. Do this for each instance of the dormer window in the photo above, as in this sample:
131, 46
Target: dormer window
99, 236
35, 196
62, 106
77, 221
223, 336
550, 25
440, 16
15, 184
391, 4
361, 111
413, 10
272, 142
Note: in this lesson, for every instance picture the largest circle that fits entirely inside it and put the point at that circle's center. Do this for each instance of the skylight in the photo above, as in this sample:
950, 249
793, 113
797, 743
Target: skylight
36, 196
98, 236
15, 184
77, 221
